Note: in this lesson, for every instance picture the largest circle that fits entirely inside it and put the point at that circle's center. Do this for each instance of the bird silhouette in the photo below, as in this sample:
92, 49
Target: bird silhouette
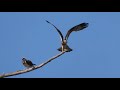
27, 63
64, 46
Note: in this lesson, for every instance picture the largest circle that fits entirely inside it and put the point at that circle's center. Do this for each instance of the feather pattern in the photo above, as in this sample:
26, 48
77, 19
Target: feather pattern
76, 28
61, 36
27, 63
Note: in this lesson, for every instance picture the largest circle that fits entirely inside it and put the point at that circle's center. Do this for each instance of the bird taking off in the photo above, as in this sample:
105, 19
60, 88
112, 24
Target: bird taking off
27, 63
64, 46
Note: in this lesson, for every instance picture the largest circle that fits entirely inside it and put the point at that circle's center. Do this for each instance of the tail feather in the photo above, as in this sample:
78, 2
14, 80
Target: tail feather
68, 49
60, 49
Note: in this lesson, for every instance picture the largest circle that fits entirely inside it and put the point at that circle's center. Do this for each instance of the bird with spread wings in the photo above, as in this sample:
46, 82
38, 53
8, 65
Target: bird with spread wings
64, 46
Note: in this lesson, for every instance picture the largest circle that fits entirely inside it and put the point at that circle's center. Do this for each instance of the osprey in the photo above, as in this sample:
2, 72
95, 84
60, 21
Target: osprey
27, 63
64, 46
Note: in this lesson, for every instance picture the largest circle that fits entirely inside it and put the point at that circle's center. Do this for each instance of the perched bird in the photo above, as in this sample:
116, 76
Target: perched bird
64, 46
27, 63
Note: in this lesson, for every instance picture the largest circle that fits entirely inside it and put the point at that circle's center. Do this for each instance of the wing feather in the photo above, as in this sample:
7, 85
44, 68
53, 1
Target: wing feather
76, 28
61, 36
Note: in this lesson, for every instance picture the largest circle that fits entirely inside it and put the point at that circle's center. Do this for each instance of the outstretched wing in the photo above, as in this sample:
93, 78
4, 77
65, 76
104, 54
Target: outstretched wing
61, 36
76, 28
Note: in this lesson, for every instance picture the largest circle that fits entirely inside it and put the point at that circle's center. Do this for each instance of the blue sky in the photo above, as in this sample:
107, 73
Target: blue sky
96, 49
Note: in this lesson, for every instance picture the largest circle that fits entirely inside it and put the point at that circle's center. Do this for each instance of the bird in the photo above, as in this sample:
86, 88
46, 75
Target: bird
64, 44
27, 63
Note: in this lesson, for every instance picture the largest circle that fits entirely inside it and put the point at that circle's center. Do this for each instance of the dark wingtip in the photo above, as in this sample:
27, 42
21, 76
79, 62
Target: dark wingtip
86, 24
47, 21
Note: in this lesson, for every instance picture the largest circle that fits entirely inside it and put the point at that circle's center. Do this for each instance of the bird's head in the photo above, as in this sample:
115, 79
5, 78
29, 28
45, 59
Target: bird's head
64, 42
23, 59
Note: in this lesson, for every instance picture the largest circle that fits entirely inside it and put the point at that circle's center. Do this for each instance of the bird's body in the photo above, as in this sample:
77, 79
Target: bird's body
27, 63
64, 46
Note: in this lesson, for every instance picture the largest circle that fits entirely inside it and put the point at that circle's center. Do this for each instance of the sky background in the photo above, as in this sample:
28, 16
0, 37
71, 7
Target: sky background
96, 49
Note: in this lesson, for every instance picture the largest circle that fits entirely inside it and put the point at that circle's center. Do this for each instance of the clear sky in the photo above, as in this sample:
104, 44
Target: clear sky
96, 49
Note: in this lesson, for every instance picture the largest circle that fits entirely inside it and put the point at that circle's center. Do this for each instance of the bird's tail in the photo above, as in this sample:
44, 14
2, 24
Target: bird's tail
65, 48
60, 49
